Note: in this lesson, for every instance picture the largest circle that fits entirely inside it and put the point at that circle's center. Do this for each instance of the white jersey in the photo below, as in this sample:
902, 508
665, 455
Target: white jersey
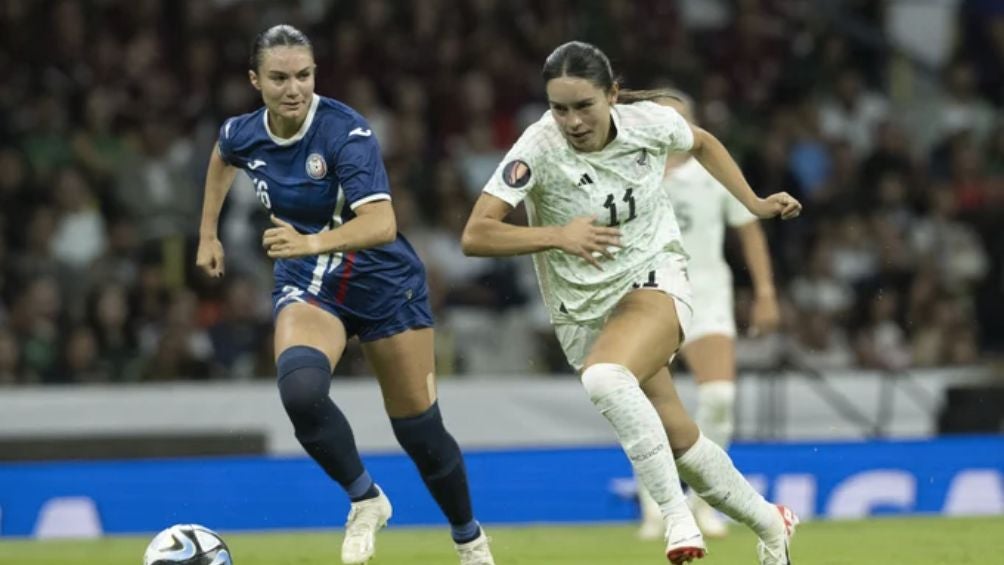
621, 185
703, 208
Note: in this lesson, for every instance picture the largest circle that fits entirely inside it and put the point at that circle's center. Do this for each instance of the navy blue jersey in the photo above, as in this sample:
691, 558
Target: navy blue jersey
314, 180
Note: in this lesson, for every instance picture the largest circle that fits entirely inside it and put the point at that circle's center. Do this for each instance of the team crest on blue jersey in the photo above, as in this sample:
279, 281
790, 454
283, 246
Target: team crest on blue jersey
316, 167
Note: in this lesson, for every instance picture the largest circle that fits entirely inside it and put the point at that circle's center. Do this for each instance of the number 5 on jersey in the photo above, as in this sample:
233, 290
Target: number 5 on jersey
611, 205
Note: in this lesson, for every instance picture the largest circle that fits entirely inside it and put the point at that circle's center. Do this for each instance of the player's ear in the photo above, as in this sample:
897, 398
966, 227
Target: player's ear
253, 77
612, 95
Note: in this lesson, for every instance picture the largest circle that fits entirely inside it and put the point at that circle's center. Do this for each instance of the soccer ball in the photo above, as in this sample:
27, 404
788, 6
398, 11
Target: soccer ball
187, 544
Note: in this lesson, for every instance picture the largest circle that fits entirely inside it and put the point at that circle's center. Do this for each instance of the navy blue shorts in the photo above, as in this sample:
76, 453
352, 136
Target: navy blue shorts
415, 313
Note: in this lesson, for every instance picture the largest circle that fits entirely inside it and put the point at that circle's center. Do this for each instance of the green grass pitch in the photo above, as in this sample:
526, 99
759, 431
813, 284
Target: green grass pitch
913, 541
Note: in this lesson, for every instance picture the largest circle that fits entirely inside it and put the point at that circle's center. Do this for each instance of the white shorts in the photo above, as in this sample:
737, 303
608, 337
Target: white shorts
713, 311
670, 278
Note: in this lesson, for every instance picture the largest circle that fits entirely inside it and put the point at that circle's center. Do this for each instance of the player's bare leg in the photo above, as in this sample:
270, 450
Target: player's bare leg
302, 324
309, 341
405, 366
639, 337
709, 471
712, 359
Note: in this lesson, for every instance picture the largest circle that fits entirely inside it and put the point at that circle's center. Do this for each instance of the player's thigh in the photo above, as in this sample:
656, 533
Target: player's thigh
405, 365
305, 324
641, 334
711, 357
680, 427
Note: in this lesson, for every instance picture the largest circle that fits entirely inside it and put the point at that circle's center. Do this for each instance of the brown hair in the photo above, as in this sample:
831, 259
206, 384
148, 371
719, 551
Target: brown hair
580, 60
629, 96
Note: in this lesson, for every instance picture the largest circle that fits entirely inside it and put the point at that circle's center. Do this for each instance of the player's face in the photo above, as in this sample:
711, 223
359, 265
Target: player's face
582, 111
285, 78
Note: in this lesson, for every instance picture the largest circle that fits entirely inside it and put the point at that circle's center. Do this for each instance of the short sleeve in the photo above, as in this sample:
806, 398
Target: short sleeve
359, 168
517, 174
225, 146
675, 130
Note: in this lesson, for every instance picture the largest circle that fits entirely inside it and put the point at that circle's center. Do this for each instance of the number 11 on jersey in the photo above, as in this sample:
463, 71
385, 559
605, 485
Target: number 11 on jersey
611, 205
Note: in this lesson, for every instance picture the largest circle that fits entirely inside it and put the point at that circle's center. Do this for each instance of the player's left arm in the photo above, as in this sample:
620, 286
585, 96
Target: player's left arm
373, 226
360, 172
714, 157
766, 314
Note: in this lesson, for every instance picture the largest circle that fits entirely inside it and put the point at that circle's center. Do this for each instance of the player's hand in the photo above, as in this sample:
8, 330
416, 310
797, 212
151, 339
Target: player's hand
777, 204
284, 242
765, 316
209, 257
583, 238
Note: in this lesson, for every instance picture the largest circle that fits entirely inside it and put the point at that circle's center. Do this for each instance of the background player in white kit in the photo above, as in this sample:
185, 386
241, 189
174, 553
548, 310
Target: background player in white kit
613, 275
703, 209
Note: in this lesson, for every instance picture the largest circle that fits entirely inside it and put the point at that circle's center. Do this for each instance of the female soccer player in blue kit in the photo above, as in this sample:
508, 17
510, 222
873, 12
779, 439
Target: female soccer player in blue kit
341, 270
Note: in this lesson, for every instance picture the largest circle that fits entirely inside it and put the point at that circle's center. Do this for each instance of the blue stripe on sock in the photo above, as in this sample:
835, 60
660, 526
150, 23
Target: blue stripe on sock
466, 532
360, 487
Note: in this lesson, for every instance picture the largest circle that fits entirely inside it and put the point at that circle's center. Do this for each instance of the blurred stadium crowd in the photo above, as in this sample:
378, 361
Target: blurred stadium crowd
892, 138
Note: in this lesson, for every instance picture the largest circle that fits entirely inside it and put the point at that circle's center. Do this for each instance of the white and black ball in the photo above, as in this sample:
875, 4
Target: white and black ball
187, 544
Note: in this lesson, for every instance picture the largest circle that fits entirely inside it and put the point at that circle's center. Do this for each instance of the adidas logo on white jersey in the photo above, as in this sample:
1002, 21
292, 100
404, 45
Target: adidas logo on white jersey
585, 179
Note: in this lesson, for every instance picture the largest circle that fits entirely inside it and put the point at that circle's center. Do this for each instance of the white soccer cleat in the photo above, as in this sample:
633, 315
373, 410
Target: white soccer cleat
684, 542
774, 551
476, 551
366, 517
710, 522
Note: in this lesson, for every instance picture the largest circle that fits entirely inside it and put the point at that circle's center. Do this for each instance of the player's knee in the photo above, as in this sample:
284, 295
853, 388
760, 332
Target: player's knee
716, 399
425, 439
304, 379
601, 379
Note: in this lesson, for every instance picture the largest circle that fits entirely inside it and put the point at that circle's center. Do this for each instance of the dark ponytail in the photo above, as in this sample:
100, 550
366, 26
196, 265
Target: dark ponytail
580, 60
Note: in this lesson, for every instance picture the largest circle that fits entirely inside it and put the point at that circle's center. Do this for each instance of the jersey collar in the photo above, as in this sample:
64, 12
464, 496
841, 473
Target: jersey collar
615, 115
303, 128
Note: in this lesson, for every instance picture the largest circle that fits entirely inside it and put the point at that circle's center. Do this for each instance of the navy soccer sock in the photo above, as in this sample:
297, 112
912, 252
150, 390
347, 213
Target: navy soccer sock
439, 461
321, 428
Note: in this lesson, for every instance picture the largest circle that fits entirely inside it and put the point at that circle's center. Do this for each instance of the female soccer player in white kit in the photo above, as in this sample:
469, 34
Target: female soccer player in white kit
703, 209
613, 275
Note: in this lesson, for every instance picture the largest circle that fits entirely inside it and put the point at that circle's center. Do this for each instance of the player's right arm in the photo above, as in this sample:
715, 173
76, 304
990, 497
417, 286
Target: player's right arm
487, 235
219, 177
519, 174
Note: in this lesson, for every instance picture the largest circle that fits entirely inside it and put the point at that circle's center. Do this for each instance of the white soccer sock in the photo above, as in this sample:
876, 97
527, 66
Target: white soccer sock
615, 391
709, 471
716, 411
650, 510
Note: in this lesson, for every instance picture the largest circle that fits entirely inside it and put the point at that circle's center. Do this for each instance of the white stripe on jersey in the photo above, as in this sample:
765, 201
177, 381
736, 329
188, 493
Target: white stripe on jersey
319, 270
370, 198
329, 261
